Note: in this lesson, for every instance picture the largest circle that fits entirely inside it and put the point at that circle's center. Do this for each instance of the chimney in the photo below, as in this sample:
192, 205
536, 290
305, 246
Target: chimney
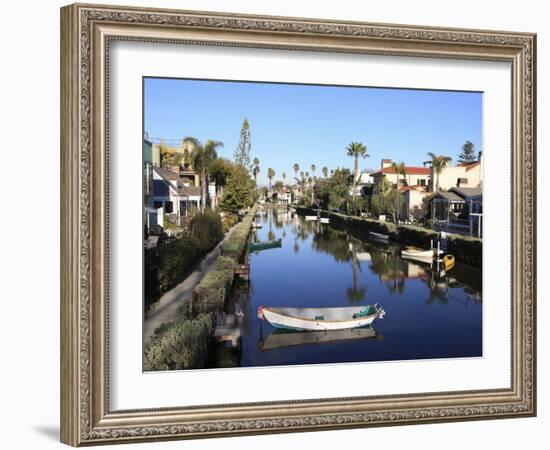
385, 163
479, 156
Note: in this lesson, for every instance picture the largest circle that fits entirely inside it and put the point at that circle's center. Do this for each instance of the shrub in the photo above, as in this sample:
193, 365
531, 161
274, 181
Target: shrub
206, 227
212, 291
228, 221
165, 266
184, 344
466, 249
175, 260
411, 234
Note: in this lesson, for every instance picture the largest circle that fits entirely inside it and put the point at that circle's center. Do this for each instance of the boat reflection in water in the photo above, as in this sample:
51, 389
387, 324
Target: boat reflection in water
285, 338
431, 312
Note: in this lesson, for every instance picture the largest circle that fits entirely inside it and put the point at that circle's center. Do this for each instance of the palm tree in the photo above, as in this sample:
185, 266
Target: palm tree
270, 175
284, 177
438, 163
256, 169
202, 156
325, 171
356, 150
400, 169
296, 168
313, 168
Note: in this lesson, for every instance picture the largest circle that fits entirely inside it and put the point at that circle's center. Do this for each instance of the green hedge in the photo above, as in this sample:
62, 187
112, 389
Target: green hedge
355, 222
411, 234
228, 221
210, 294
184, 344
466, 249
207, 228
235, 244
167, 265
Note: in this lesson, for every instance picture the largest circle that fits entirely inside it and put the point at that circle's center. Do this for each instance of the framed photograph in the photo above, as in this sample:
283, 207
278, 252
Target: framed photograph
276, 224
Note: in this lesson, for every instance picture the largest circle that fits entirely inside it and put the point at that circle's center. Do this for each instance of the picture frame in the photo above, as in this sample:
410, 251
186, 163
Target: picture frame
87, 31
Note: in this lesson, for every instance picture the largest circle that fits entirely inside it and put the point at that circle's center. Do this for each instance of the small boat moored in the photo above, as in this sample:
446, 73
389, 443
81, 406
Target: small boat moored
448, 262
255, 246
321, 319
380, 236
324, 220
311, 218
419, 253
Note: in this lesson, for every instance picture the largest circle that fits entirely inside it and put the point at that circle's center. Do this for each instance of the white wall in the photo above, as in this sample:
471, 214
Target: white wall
30, 257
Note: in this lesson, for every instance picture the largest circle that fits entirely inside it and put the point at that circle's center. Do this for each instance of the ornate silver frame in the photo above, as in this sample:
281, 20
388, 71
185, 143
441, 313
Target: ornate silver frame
86, 31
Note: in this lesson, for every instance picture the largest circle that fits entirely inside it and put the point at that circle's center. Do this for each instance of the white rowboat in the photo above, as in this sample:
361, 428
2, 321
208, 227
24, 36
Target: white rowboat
312, 218
324, 220
413, 252
321, 319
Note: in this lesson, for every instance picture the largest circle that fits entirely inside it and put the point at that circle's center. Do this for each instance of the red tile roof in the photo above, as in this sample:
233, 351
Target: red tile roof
409, 170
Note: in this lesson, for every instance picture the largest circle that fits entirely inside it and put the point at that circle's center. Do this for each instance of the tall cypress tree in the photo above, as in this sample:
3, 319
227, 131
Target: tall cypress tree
467, 155
242, 152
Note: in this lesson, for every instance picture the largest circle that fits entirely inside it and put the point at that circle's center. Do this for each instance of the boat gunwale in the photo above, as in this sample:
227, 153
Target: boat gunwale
320, 320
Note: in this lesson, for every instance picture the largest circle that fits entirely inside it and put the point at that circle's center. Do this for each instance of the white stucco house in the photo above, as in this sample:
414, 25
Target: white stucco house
462, 175
174, 194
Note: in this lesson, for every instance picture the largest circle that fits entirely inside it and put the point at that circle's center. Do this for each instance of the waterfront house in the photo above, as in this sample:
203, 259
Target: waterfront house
413, 176
149, 213
283, 196
458, 210
412, 202
467, 175
174, 194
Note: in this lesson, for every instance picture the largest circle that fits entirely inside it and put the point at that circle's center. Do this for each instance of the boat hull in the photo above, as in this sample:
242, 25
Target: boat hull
257, 246
382, 237
305, 318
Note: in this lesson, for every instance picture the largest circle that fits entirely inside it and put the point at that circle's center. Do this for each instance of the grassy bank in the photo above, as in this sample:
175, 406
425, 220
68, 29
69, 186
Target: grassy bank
465, 249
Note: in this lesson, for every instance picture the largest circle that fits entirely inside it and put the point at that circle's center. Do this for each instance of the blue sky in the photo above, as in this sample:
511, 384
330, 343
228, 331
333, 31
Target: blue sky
307, 124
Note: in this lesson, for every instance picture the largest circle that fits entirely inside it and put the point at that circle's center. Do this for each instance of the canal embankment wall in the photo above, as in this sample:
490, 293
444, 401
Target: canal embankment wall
463, 248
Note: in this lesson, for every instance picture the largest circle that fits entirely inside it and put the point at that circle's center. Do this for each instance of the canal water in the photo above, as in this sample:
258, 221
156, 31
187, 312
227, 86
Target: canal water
429, 313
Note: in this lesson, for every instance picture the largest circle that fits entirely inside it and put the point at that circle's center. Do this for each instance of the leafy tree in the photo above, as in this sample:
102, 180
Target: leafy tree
219, 170
242, 152
202, 156
467, 155
238, 190
278, 186
333, 192
438, 163
385, 201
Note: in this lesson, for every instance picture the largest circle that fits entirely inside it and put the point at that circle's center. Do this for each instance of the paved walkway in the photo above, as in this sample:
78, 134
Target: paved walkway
166, 309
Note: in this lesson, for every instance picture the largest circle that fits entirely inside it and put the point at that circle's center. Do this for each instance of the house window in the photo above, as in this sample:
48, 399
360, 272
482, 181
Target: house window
421, 182
157, 205
168, 207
